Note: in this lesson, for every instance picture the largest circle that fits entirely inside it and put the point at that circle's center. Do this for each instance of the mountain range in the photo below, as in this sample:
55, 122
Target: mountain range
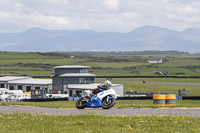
143, 38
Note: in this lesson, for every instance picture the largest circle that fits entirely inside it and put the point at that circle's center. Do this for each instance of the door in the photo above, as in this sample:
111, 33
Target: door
70, 93
78, 93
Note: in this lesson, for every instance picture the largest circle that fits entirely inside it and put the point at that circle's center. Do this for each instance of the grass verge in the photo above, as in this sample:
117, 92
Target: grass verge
32, 123
149, 104
119, 104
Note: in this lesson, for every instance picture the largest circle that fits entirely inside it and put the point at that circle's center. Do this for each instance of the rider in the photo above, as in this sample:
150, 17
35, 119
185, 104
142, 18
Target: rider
105, 86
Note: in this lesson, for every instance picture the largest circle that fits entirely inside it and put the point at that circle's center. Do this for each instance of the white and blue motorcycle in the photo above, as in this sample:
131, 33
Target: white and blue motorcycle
101, 97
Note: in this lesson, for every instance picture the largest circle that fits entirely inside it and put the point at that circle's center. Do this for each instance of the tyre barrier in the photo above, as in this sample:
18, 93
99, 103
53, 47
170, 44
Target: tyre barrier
164, 100
159, 99
171, 100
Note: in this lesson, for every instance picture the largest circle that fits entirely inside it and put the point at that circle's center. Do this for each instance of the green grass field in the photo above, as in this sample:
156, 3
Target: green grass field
177, 80
40, 64
149, 104
119, 104
155, 88
31, 123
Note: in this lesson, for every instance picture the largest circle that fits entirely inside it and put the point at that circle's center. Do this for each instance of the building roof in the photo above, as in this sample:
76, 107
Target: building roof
10, 78
32, 81
77, 75
69, 66
86, 86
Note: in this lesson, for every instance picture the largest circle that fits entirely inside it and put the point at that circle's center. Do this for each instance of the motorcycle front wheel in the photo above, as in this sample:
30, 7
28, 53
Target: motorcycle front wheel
81, 103
108, 104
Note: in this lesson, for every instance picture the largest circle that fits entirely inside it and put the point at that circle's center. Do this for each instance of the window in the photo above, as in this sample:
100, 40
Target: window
28, 88
36, 92
2, 85
85, 81
83, 70
19, 87
12, 87
37, 88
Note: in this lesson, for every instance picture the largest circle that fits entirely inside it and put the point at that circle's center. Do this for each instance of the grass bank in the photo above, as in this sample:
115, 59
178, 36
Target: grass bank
40, 64
155, 88
32, 123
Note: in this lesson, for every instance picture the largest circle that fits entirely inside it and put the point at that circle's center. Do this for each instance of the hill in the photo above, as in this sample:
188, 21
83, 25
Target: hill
143, 38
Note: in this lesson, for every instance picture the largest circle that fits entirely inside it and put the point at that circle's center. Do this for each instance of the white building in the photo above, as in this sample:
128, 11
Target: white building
25, 84
155, 61
4, 80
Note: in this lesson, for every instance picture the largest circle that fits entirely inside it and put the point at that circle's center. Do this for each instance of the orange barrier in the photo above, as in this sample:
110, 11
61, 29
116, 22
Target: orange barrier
171, 100
164, 100
159, 99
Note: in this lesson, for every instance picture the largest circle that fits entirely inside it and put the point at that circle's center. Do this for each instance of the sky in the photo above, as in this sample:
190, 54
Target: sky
98, 15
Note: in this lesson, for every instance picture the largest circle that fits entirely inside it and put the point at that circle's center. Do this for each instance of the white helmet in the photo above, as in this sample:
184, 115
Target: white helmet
107, 83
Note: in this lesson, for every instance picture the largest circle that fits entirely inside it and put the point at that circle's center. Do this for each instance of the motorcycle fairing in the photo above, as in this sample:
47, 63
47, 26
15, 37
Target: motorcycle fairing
96, 102
105, 93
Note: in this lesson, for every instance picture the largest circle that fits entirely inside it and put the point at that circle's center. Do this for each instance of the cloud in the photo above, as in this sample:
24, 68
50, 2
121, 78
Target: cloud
112, 5
99, 15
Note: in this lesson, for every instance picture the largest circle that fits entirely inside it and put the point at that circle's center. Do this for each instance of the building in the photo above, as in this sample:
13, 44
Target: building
4, 81
155, 61
71, 80
66, 75
26, 85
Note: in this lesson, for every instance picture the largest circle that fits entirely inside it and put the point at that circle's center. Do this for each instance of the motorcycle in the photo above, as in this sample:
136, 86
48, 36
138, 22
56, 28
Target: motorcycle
99, 98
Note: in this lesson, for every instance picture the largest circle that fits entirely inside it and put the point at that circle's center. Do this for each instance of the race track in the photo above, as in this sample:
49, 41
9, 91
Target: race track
99, 111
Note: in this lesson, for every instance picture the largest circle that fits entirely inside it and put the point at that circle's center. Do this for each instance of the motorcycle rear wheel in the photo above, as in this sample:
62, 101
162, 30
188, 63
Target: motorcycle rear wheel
108, 104
81, 103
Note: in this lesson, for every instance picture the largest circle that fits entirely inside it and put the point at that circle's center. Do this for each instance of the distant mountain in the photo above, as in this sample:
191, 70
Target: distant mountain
143, 38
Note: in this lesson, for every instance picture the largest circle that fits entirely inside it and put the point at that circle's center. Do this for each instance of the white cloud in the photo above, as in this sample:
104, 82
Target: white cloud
112, 5
100, 15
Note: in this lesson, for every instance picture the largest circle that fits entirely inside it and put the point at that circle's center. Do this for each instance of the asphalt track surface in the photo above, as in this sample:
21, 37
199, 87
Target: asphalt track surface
113, 111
